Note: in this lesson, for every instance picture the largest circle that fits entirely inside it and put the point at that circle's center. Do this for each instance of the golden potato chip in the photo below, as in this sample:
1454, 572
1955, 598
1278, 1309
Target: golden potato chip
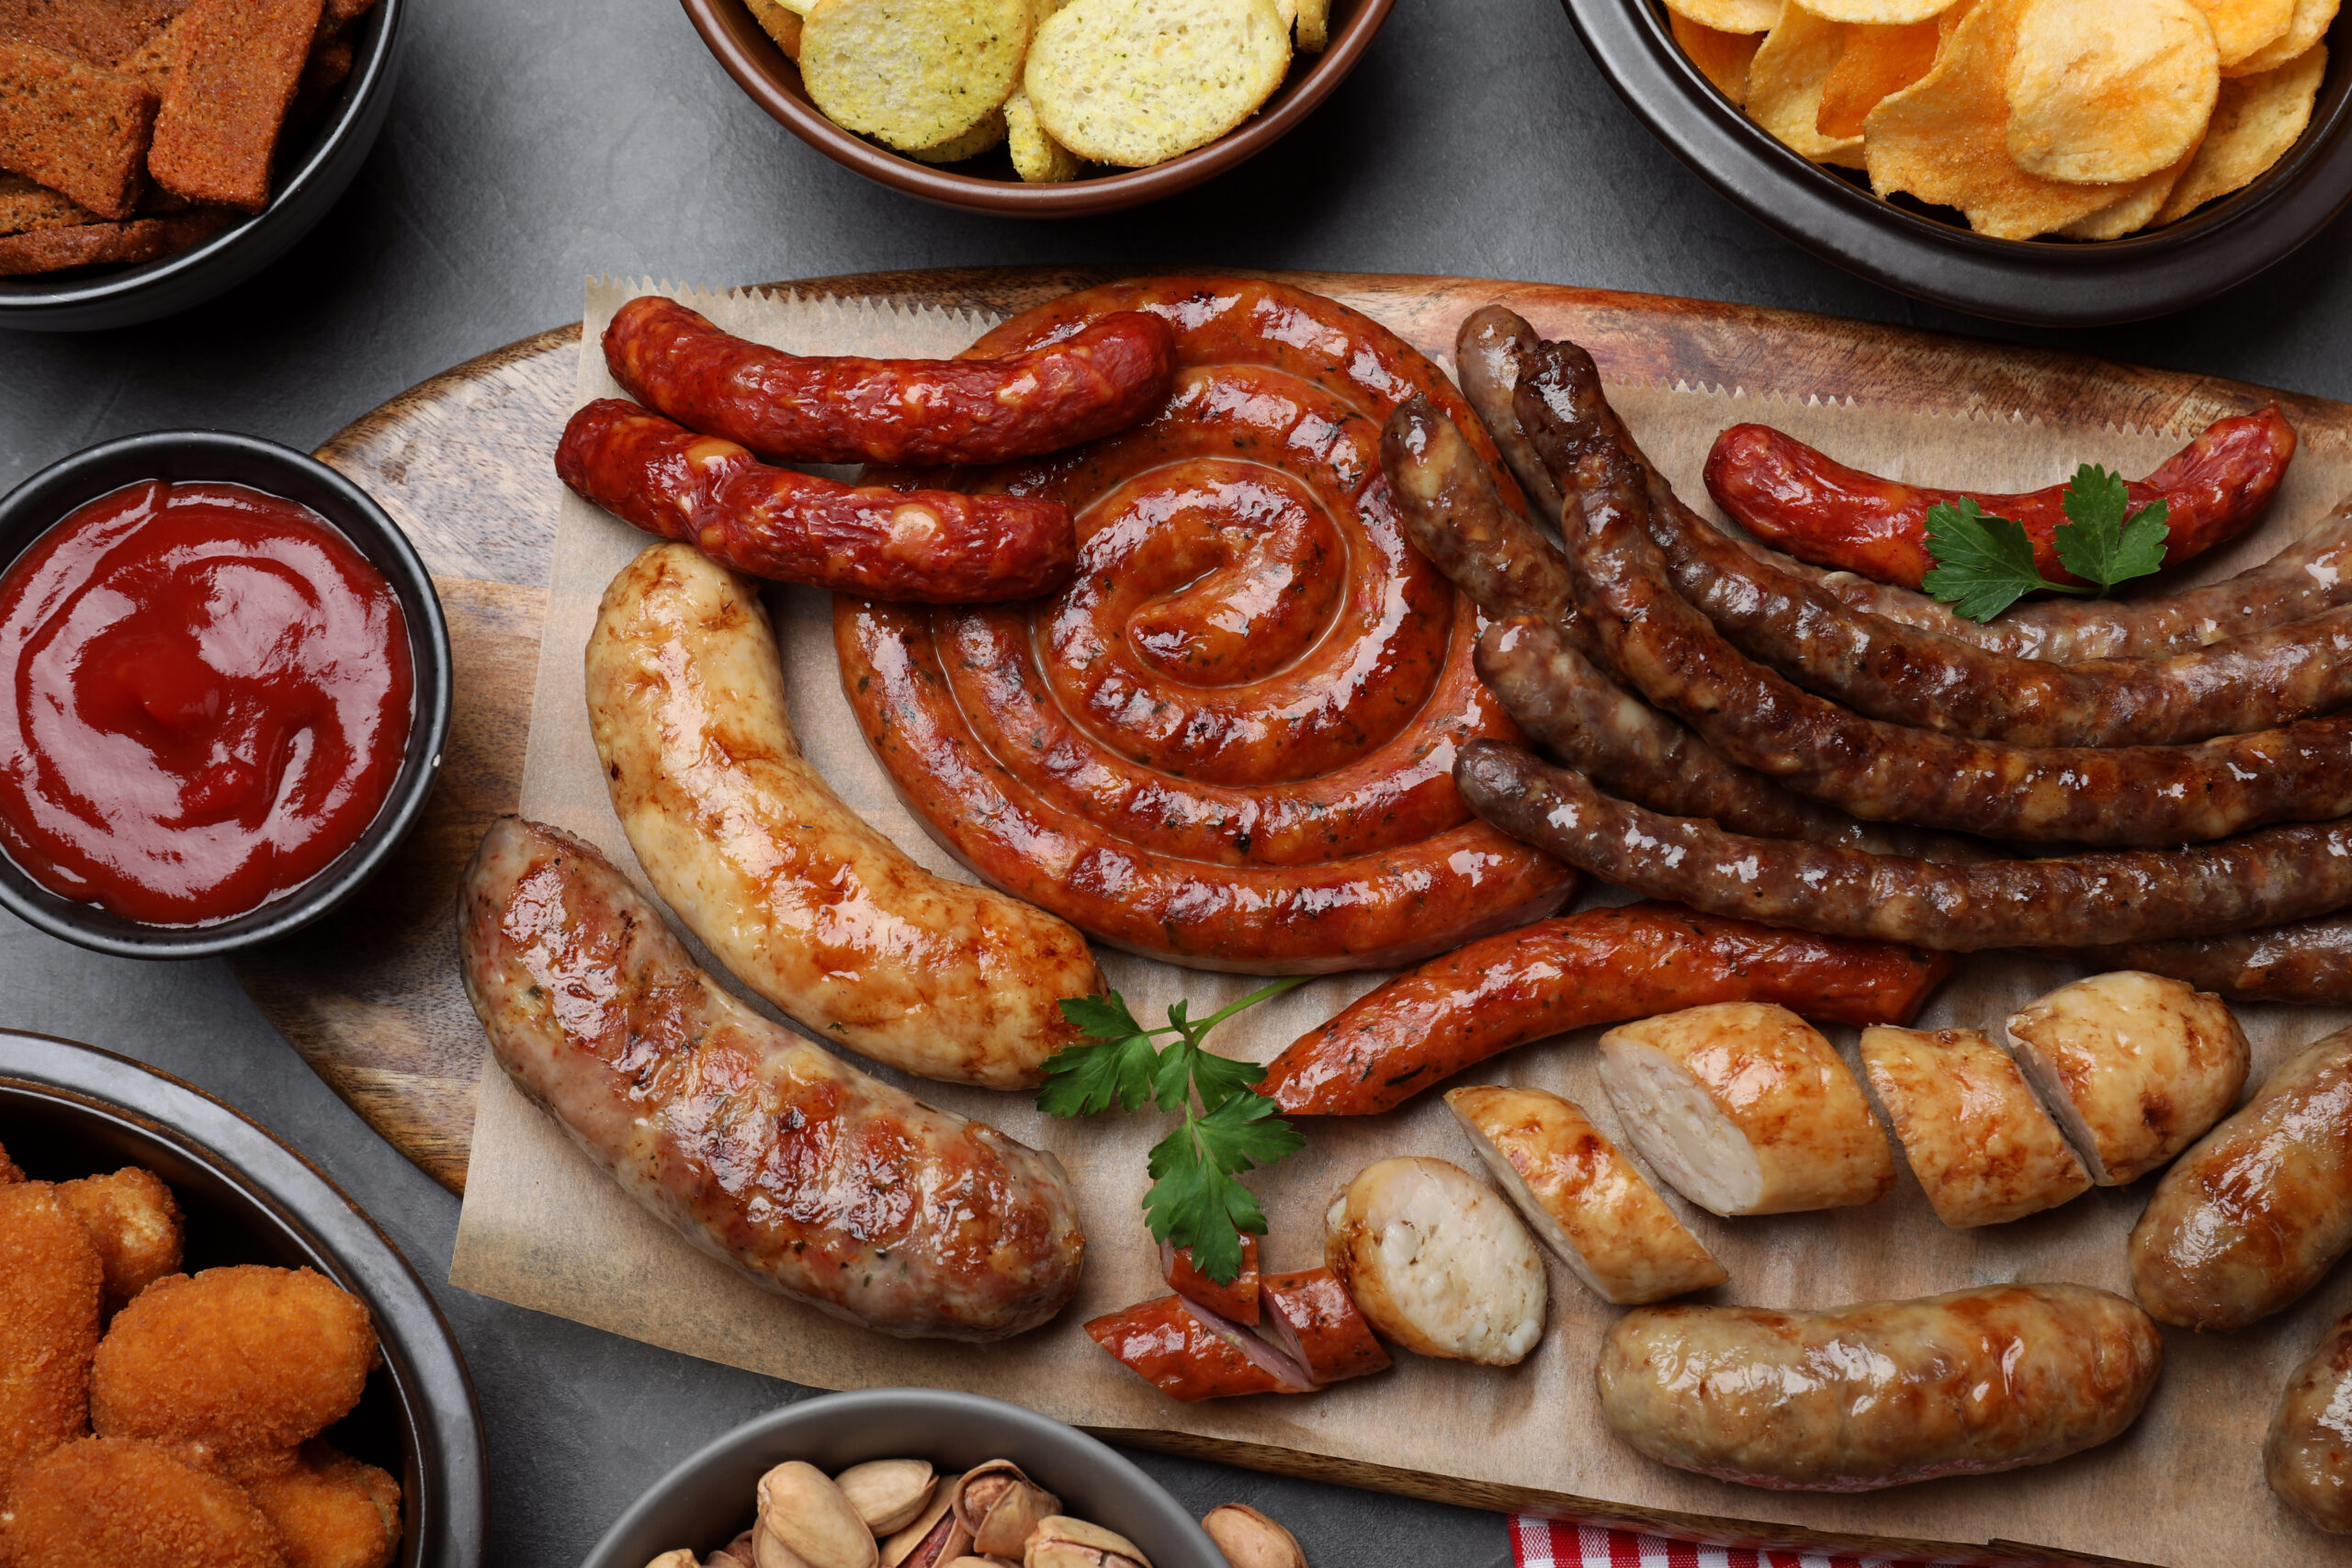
2257, 120
1312, 21
2102, 91
1138, 82
780, 22
1877, 61
1785, 83
913, 74
2130, 214
2242, 26
1036, 157
2304, 27
1944, 139
1879, 13
1721, 57
798, 7
971, 144
1728, 16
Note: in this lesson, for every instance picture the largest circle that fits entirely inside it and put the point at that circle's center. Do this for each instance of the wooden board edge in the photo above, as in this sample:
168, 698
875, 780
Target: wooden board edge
343, 449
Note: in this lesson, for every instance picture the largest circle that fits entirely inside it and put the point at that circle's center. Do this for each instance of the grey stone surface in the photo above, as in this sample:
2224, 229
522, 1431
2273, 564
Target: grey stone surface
532, 145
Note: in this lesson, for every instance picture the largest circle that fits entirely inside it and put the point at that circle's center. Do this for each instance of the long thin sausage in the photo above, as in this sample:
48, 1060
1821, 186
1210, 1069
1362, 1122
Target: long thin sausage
1597, 966
795, 409
2308, 962
932, 546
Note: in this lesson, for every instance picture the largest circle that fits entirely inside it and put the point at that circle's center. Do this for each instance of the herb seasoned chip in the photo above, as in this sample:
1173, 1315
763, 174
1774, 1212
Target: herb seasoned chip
1138, 82
914, 73
1036, 157
2256, 120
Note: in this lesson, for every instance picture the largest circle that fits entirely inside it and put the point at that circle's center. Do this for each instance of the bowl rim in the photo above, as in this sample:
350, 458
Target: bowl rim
372, 69
428, 1371
52, 493
753, 59
2032, 282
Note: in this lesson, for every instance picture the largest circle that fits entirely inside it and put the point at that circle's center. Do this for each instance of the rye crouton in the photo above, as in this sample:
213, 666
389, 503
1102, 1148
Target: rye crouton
87, 245
25, 206
233, 73
75, 128
97, 32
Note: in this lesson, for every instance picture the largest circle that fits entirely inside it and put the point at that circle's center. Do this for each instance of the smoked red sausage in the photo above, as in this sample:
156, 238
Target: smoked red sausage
1597, 966
1188, 1353
793, 409
1318, 1323
930, 547
1237, 1300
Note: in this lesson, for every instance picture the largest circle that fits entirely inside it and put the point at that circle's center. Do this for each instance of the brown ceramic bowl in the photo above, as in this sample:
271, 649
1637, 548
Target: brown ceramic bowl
986, 183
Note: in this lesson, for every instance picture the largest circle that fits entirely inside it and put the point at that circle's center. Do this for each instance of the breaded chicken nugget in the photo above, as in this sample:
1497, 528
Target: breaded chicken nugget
241, 1362
134, 1222
49, 1324
331, 1510
99, 1502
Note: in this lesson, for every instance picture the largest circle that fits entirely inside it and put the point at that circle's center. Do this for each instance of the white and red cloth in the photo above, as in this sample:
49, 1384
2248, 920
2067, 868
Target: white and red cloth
1549, 1543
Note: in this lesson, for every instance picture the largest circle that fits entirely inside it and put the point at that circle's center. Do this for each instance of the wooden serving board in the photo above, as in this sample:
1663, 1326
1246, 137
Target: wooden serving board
371, 997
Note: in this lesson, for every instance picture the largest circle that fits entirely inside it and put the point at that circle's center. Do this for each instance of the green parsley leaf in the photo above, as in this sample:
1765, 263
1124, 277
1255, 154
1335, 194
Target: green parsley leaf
1983, 563
1083, 1079
1194, 1200
2100, 543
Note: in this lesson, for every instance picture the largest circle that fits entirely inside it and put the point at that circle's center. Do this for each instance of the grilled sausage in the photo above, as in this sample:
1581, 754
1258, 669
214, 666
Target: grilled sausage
2308, 962
1595, 967
1235, 1301
2258, 1210
2087, 900
1316, 1321
794, 892
1437, 1262
2307, 1455
1984, 1149
1188, 1353
760, 1147
935, 546
792, 409
1880, 1395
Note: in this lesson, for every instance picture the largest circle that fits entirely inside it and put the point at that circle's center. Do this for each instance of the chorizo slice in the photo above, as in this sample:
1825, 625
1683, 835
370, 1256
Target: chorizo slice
1316, 1321
1188, 1353
1984, 1150
2305, 1455
1236, 1301
1437, 1261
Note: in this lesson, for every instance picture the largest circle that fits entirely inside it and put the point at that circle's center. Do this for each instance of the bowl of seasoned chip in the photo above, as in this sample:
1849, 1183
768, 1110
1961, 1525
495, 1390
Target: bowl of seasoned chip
154, 153
2053, 161
1038, 108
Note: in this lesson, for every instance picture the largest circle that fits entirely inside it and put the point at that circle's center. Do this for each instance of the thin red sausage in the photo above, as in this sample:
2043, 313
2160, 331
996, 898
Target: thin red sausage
1237, 1301
1177, 1348
794, 408
1317, 1323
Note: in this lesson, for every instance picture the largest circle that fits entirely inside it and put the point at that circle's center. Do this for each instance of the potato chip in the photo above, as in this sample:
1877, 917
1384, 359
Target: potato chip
2310, 20
798, 7
2102, 91
1728, 16
1945, 138
914, 73
971, 144
2130, 214
780, 22
1138, 82
1036, 157
1879, 13
1785, 83
1721, 57
2257, 120
1877, 61
1312, 21
2242, 26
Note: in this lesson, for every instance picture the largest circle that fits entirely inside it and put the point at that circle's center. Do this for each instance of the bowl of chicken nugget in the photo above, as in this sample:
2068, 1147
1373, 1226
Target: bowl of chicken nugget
2049, 162
1038, 108
212, 1358
154, 153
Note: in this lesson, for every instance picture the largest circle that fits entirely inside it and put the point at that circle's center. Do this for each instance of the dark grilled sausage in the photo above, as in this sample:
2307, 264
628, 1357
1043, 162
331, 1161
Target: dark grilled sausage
2308, 962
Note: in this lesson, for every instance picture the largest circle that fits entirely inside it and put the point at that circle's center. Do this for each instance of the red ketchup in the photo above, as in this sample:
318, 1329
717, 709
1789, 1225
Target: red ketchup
204, 698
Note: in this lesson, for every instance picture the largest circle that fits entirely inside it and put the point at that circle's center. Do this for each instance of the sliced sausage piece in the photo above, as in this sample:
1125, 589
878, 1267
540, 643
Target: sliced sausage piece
1745, 1109
2261, 1208
2308, 1455
1437, 1262
1188, 1353
1583, 1196
1880, 1395
1984, 1149
1237, 1301
2135, 1067
1317, 1325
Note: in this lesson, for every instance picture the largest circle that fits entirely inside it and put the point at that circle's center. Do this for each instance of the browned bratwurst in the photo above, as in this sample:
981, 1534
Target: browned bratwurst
2308, 962
840, 409
1673, 654
2307, 1456
2264, 878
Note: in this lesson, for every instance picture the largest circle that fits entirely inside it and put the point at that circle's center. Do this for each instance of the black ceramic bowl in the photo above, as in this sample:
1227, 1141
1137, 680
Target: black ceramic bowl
32, 508
707, 1500
69, 1111
313, 172
1919, 252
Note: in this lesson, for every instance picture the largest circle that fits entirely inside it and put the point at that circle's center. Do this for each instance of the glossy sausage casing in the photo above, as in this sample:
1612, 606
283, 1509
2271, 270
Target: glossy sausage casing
1879, 1395
762, 1148
2307, 1455
792, 409
1188, 1353
1312, 1317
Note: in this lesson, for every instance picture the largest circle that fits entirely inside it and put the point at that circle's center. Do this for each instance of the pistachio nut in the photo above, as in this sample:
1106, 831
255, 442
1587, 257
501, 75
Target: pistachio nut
801, 1507
1250, 1539
983, 1562
680, 1558
1001, 1506
935, 1538
736, 1553
888, 1493
1060, 1541
769, 1553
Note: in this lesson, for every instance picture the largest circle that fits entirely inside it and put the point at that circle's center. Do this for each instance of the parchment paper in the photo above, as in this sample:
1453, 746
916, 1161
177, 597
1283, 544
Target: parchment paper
543, 1228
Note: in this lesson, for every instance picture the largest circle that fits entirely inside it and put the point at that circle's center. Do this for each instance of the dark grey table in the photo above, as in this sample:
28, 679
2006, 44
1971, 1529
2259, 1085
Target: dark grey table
534, 143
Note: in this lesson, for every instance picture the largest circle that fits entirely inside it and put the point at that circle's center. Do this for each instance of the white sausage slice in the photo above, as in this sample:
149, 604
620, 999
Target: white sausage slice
1583, 1196
1437, 1261
1984, 1149
1745, 1109
2134, 1066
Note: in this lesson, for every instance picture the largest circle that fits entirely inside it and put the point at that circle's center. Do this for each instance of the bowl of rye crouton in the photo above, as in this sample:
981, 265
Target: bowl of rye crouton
1038, 108
156, 152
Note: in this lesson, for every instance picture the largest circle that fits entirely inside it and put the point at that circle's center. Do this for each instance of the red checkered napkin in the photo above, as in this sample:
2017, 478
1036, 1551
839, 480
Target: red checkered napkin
1548, 1543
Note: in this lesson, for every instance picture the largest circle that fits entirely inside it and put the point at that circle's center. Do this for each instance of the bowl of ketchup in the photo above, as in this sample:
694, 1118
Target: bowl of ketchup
224, 688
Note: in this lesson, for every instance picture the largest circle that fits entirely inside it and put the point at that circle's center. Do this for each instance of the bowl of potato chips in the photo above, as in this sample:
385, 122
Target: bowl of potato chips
2055, 162
1038, 108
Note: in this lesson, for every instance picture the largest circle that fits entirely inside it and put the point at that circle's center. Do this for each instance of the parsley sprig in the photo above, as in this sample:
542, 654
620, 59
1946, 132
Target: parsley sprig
1985, 564
1228, 1127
